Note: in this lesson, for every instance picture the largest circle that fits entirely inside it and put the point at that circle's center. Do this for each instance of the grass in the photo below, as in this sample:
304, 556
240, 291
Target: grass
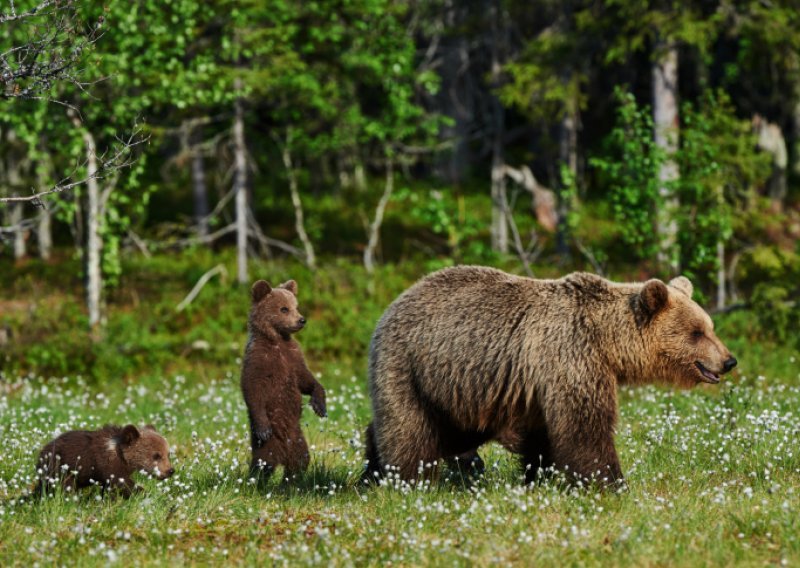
713, 473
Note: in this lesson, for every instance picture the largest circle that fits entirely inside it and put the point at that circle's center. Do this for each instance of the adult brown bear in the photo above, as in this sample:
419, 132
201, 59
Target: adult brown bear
472, 354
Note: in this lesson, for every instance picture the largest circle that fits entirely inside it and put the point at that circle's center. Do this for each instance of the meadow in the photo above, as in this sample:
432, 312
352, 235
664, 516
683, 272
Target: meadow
713, 473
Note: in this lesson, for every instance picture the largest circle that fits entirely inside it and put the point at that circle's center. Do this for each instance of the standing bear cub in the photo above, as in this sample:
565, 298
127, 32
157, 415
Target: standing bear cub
472, 354
107, 457
274, 378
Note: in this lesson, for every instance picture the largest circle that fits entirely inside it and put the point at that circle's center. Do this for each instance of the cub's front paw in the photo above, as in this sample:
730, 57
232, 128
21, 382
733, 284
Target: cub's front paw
262, 435
318, 405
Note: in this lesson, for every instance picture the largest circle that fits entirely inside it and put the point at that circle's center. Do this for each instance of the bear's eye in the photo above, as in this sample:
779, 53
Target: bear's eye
156, 457
697, 333
284, 310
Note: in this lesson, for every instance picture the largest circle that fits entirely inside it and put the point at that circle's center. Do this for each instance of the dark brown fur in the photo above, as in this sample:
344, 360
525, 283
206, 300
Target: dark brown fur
107, 458
472, 354
274, 378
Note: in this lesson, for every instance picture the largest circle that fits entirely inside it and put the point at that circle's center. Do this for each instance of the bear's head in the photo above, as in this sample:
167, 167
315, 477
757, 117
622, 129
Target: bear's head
679, 335
274, 310
144, 449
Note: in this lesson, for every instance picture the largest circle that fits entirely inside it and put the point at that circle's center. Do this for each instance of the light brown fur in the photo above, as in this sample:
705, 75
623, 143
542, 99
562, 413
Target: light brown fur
472, 354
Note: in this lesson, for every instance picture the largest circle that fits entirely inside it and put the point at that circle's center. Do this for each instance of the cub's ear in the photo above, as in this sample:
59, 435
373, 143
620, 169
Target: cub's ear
290, 285
683, 284
653, 297
150, 427
129, 435
260, 289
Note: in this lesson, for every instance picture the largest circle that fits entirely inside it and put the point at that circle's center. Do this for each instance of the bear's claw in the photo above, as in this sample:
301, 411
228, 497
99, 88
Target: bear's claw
319, 408
263, 435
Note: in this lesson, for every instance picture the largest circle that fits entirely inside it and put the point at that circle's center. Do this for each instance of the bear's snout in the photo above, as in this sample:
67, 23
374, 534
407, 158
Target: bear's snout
729, 364
301, 322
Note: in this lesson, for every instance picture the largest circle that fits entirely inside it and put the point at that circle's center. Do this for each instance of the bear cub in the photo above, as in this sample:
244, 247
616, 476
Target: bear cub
106, 457
274, 378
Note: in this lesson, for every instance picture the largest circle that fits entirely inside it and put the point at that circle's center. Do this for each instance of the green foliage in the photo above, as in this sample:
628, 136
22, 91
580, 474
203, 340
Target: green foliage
447, 215
719, 167
777, 314
719, 171
631, 168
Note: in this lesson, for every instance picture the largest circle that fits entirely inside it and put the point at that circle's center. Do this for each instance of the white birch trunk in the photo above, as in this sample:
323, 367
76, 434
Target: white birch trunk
16, 210
568, 154
375, 228
44, 234
199, 194
94, 240
721, 292
15, 218
299, 223
499, 229
240, 187
44, 231
666, 130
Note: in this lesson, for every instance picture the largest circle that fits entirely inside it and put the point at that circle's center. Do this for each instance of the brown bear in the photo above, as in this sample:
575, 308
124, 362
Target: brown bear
471, 354
107, 458
274, 378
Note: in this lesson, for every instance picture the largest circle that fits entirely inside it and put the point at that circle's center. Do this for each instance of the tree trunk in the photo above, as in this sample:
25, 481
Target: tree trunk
199, 191
666, 131
499, 213
375, 228
456, 95
15, 218
568, 156
240, 186
795, 155
94, 240
44, 232
721, 295
16, 209
299, 223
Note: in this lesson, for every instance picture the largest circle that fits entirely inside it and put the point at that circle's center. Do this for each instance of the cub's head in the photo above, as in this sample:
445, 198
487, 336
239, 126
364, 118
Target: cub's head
274, 310
681, 344
144, 449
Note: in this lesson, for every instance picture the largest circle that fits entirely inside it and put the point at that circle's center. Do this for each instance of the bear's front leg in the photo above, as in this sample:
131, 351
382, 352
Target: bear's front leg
310, 385
580, 431
255, 397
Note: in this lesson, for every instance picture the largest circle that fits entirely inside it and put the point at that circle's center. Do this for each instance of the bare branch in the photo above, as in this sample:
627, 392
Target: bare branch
53, 45
218, 269
107, 166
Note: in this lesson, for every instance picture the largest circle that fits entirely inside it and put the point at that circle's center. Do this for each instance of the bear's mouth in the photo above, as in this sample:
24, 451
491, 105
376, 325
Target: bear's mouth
707, 375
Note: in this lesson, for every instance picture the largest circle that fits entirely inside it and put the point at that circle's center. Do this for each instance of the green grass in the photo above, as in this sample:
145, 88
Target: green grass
713, 473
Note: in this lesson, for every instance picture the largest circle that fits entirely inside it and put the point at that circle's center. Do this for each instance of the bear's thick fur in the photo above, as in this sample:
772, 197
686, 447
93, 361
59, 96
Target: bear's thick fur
274, 378
471, 354
106, 457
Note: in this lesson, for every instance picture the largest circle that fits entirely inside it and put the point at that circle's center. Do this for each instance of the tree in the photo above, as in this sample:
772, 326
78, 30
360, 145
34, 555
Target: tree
547, 82
660, 28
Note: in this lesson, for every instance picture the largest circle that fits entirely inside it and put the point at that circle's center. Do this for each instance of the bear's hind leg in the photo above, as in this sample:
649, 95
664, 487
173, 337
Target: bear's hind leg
372, 468
297, 455
408, 442
537, 455
266, 456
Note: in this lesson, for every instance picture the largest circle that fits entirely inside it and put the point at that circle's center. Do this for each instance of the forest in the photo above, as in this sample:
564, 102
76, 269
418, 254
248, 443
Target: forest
158, 157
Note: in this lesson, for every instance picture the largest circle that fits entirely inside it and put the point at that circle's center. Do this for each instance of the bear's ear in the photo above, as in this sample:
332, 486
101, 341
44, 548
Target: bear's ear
150, 427
129, 435
653, 297
290, 285
683, 284
260, 289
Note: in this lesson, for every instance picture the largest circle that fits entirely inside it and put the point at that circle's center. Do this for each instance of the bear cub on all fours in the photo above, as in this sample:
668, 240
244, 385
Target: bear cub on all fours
107, 458
274, 378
